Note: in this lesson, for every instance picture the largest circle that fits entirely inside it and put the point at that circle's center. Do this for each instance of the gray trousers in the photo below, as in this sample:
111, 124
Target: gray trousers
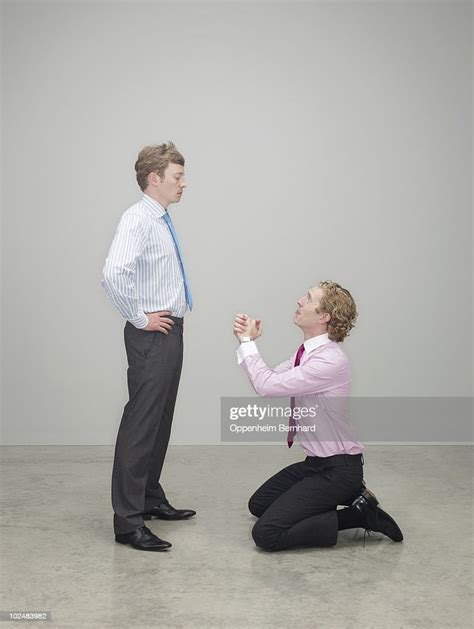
154, 369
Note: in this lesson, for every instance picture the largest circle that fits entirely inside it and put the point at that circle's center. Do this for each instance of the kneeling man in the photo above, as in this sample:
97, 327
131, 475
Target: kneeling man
298, 505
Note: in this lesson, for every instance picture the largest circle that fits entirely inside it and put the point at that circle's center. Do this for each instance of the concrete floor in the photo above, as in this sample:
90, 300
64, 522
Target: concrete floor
59, 555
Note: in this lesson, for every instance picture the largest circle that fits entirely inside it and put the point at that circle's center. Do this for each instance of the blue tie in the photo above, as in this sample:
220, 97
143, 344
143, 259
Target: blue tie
187, 291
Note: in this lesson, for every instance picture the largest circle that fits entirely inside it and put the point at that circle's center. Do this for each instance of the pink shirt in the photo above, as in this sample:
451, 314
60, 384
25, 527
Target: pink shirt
321, 384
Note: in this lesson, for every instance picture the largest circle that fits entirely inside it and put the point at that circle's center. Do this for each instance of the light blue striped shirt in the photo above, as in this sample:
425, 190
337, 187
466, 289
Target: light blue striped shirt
142, 272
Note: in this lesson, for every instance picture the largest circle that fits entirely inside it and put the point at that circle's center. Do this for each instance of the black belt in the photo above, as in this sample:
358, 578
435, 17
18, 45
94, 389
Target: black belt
178, 320
336, 459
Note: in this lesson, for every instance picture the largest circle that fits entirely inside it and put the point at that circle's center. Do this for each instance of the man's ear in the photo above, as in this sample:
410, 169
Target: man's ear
154, 178
326, 317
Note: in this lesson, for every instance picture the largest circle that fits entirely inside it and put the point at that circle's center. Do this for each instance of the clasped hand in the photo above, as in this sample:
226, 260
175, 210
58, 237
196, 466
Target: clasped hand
246, 326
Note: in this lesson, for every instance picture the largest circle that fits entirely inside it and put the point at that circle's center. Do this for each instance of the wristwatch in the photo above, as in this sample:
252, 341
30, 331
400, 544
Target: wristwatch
245, 339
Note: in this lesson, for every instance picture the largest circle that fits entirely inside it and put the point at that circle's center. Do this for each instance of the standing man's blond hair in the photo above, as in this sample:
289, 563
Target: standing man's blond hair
155, 159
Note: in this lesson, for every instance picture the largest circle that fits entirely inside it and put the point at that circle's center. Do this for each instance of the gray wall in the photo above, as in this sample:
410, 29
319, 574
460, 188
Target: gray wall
323, 141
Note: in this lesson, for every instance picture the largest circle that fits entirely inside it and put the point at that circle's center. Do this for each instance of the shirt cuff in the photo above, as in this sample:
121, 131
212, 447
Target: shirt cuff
246, 349
140, 322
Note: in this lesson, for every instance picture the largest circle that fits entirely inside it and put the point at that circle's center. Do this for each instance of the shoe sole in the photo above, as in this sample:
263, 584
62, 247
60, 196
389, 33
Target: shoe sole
160, 517
366, 498
156, 550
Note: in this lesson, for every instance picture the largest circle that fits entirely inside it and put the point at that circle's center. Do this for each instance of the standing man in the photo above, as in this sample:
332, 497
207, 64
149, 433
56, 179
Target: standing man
297, 506
144, 277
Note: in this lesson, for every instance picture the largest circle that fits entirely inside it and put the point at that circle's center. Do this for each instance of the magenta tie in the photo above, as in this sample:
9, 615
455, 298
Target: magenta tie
292, 425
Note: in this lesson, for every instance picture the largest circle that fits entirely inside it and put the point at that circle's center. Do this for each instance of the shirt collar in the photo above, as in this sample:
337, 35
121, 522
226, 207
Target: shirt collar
153, 205
316, 341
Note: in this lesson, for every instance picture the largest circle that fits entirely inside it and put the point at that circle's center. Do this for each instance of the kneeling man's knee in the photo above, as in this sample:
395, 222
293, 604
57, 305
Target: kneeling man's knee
254, 507
265, 536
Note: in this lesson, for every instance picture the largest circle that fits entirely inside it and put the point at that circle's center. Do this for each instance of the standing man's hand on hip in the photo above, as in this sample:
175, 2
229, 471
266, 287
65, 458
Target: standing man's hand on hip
159, 322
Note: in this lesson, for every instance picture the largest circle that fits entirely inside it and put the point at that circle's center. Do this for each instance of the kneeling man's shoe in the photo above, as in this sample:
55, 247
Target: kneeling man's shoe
143, 539
376, 518
165, 511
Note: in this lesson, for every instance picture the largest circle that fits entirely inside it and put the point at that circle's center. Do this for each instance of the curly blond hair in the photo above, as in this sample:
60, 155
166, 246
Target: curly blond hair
338, 302
156, 159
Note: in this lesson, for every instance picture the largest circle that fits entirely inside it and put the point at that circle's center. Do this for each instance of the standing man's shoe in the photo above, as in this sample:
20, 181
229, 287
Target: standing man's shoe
376, 519
165, 511
143, 539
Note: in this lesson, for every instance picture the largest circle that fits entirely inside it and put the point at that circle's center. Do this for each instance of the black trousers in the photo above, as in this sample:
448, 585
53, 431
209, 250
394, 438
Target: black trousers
154, 369
297, 506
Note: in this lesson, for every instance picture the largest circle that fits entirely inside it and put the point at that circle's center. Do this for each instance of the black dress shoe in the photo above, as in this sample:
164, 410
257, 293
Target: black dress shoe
376, 518
143, 539
165, 511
